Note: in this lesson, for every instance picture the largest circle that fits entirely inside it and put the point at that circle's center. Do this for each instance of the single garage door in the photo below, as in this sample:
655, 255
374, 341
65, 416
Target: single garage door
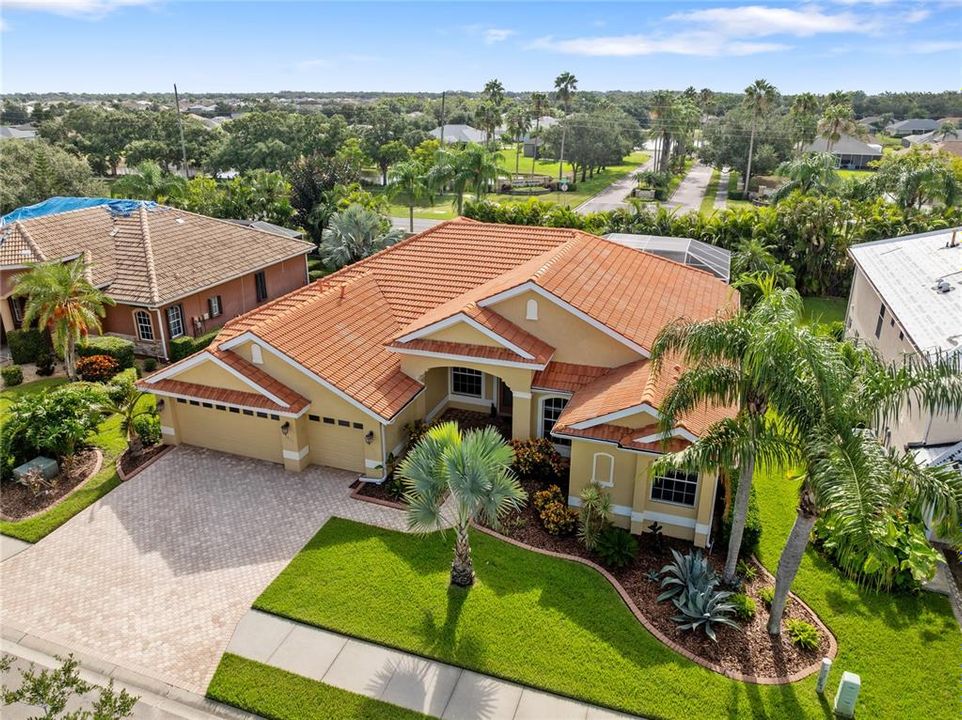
336, 442
255, 435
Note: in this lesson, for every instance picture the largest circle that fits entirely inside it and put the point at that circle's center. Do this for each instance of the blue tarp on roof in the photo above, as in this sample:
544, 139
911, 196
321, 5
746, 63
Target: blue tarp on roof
56, 205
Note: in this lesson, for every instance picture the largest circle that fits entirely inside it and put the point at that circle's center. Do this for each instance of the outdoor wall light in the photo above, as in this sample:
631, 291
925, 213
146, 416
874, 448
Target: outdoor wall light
369, 438
286, 428
161, 405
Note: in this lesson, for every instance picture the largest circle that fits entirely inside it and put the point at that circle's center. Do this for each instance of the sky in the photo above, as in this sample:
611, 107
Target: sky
114, 46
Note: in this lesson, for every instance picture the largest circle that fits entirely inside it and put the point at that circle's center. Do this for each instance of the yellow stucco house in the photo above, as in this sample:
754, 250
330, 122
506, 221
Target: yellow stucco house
550, 327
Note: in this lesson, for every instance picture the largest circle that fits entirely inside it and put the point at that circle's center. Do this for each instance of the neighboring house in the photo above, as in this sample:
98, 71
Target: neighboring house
850, 153
913, 126
170, 272
906, 301
871, 122
14, 132
457, 134
687, 251
546, 331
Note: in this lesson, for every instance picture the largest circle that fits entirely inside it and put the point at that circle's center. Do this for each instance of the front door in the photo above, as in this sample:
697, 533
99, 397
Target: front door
505, 399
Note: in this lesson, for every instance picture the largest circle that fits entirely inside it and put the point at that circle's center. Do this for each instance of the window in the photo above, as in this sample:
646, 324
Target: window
247, 412
328, 421
175, 321
465, 381
603, 469
531, 310
675, 486
209, 406
260, 283
550, 412
357, 426
262, 414
881, 317
314, 418
343, 423
16, 306
145, 330
233, 410
214, 306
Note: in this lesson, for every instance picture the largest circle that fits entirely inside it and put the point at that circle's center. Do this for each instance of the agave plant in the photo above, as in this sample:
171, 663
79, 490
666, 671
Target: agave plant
688, 574
704, 609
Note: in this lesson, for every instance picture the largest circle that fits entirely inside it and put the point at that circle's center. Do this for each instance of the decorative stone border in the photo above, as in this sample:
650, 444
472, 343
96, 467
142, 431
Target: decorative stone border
98, 464
140, 468
794, 677
356, 495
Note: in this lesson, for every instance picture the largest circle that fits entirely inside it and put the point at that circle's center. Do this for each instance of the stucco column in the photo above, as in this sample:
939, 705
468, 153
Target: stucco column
521, 415
294, 443
169, 427
707, 483
375, 456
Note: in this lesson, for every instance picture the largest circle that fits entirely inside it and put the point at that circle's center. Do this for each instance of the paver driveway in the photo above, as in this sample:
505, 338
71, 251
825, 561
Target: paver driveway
156, 575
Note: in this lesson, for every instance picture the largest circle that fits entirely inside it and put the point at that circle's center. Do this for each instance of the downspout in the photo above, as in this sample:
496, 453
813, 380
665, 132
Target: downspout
383, 452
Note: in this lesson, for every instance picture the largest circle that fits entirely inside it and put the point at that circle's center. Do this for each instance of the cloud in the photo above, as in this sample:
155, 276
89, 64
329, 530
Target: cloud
928, 47
313, 64
759, 21
689, 43
496, 35
74, 8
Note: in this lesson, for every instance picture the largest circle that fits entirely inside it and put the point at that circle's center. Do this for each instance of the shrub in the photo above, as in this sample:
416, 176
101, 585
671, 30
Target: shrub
27, 344
767, 594
414, 432
704, 609
558, 518
185, 345
803, 634
544, 497
97, 368
12, 375
617, 548
593, 516
747, 570
119, 349
537, 460
147, 427
45, 363
150, 364
744, 606
753, 523
686, 574
656, 539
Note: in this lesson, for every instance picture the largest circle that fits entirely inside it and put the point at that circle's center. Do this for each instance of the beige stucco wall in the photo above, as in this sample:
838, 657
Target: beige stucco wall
462, 333
574, 340
225, 431
209, 373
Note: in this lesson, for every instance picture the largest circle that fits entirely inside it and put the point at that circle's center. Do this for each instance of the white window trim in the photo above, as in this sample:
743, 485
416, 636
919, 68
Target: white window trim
652, 498
180, 317
451, 392
564, 450
137, 325
215, 306
610, 482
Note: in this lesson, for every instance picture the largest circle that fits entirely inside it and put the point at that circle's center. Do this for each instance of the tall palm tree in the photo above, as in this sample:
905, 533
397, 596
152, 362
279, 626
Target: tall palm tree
539, 103
565, 85
409, 184
662, 126
488, 117
812, 173
759, 97
803, 114
61, 298
849, 475
353, 234
150, 182
836, 120
475, 468
744, 360
519, 123
494, 91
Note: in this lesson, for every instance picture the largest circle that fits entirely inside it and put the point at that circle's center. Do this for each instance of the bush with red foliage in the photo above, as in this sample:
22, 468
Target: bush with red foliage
97, 368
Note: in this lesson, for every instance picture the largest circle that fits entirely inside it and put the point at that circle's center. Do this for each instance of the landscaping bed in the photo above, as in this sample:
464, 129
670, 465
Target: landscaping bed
19, 502
379, 493
129, 465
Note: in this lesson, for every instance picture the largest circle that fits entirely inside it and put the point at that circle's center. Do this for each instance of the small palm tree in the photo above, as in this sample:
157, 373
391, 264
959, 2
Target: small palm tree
475, 468
813, 173
62, 299
353, 234
126, 400
519, 123
409, 184
470, 169
150, 182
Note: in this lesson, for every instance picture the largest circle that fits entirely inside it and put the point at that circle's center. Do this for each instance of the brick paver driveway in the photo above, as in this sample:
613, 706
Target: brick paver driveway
156, 575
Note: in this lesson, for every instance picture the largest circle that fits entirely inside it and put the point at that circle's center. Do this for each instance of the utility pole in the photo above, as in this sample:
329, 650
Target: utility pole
442, 119
180, 125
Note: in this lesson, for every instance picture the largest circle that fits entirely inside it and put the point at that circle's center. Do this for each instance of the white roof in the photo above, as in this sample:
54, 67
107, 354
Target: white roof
688, 251
905, 271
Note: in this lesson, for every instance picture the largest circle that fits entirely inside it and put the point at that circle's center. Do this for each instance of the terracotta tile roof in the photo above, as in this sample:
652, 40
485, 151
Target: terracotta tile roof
537, 348
566, 377
218, 395
294, 401
468, 350
151, 256
625, 437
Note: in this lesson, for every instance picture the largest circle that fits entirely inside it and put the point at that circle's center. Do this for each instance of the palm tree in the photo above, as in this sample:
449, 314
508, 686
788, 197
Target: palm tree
494, 91
125, 399
744, 360
488, 117
946, 130
759, 97
565, 85
539, 102
803, 113
837, 120
61, 298
849, 475
409, 184
812, 173
519, 123
753, 257
475, 468
353, 234
150, 182
662, 126
470, 169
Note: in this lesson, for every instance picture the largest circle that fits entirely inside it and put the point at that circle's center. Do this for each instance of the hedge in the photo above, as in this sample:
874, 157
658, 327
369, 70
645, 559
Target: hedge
27, 345
185, 345
119, 349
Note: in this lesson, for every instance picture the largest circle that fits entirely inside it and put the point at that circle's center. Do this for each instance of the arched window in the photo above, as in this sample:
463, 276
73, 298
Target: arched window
551, 409
145, 330
531, 310
603, 469
256, 357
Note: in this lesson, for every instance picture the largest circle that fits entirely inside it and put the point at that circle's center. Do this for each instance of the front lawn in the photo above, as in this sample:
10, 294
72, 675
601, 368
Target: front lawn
708, 202
823, 309
108, 438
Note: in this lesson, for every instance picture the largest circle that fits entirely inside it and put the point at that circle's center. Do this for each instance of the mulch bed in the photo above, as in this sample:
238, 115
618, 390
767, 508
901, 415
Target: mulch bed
749, 650
19, 502
375, 491
129, 463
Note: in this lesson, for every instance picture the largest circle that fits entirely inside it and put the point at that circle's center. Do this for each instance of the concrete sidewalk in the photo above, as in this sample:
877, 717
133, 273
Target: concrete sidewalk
399, 678
689, 194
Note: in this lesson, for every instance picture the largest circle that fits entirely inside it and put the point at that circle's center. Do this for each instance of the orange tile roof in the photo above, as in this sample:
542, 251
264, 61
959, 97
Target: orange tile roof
488, 352
151, 256
218, 395
625, 437
294, 400
566, 377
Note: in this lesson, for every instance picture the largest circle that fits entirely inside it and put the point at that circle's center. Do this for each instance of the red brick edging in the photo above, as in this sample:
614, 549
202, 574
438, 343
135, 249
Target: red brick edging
140, 468
356, 495
794, 677
98, 464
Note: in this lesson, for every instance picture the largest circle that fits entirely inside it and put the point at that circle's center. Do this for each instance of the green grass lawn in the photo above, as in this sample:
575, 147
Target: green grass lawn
823, 309
280, 695
855, 174
108, 438
708, 202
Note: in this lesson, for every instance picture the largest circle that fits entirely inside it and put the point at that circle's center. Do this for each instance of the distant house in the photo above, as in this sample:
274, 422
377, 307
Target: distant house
458, 134
850, 153
17, 132
913, 126
871, 122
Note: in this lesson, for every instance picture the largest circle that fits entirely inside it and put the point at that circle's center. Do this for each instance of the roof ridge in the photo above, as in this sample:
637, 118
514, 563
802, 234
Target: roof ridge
31, 243
149, 257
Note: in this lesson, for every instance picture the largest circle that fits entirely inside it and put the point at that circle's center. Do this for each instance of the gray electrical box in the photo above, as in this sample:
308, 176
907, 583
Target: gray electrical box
847, 694
47, 467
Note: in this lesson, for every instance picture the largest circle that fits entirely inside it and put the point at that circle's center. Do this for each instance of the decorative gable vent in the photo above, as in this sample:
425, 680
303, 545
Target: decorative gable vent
531, 310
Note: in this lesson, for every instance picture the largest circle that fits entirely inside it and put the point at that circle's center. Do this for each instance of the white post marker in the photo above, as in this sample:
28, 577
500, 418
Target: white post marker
847, 694
823, 675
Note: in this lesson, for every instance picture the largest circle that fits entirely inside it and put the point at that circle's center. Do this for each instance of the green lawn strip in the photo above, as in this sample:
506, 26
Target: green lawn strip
904, 647
708, 202
530, 618
823, 309
280, 695
8, 395
855, 174
676, 179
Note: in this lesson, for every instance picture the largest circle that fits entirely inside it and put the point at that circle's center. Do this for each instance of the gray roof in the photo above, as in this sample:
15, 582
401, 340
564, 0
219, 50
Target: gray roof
905, 271
913, 125
694, 253
458, 134
268, 227
937, 455
846, 145
12, 133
